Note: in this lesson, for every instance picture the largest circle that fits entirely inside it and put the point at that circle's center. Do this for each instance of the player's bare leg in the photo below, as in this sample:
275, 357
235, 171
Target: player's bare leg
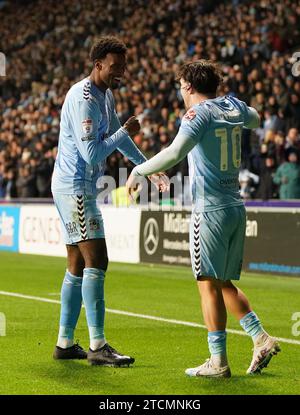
71, 299
265, 346
235, 300
94, 252
212, 303
75, 260
214, 314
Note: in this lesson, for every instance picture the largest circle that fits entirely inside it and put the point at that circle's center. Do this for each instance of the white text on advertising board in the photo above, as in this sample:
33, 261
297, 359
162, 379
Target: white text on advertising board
40, 230
251, 228
176, 223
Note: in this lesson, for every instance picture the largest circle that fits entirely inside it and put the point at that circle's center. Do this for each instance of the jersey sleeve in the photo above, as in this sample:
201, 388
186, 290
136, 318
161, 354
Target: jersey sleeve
167, 158
194, 123
251, 117
85, 117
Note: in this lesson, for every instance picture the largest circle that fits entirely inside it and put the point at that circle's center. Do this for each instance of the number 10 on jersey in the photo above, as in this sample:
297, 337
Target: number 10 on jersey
236, 134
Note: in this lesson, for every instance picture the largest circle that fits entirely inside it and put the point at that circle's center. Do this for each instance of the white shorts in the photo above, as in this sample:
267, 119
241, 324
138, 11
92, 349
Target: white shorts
80, 217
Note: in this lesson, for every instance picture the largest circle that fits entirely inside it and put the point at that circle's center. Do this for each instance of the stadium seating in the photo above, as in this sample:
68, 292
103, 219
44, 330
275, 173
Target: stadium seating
253, 40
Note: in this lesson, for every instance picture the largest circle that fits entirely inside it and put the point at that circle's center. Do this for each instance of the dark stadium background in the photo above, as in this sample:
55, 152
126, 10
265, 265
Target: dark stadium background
151, 302
47, 51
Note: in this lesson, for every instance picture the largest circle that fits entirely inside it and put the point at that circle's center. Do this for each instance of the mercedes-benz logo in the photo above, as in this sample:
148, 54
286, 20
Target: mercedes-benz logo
151, 236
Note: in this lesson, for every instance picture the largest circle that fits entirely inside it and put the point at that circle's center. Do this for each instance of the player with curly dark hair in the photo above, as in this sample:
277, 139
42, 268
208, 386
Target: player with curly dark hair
89, 132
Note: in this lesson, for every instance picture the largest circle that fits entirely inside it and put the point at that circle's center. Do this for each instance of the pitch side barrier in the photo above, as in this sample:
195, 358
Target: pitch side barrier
272, 237
32, 227
137, 234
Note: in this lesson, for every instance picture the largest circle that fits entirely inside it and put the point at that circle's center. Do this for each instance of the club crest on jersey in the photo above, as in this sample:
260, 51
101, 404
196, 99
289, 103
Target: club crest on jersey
190, 115
87, 126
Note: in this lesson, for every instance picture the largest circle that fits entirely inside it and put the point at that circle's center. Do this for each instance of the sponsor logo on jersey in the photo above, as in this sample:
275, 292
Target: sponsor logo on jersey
71, 228
232, 115
190, 115
89, 137
229, 181
87, 126
94, 224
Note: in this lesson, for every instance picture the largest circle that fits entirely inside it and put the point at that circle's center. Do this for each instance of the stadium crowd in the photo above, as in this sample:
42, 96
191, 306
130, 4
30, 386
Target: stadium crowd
46, 46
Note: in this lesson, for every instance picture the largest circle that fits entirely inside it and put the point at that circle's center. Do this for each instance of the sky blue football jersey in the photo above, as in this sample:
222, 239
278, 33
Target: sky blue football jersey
89, 132
216, 127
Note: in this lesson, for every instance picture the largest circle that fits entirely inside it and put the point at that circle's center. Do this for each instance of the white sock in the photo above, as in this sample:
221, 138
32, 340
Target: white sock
97, 343
219, 360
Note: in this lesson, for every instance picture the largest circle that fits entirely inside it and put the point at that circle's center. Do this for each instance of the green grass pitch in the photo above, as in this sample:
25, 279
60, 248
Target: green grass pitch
163, 350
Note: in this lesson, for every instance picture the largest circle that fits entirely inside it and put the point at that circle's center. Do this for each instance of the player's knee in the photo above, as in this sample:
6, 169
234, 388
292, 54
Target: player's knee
207, 284
227, 285
75, 262
209, 281
97, 261
77, 271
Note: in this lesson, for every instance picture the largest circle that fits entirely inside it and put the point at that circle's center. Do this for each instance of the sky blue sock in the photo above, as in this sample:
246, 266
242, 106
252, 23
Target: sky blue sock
93, 298
251, 324
217, 342
71, 299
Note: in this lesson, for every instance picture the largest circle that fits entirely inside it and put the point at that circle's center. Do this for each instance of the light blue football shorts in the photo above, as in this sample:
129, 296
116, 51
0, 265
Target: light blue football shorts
217, 243
80, 217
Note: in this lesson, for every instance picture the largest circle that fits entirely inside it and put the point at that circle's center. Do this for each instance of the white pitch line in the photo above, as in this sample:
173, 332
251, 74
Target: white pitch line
145, 316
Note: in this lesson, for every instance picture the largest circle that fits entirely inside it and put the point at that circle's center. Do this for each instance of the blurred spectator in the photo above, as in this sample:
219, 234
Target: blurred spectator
26, 183
248, 183
8, 185
292, 142
287, 176
267, 188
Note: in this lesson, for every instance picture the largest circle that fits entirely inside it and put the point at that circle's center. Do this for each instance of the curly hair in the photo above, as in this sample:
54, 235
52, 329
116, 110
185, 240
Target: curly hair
107, 44
204, 75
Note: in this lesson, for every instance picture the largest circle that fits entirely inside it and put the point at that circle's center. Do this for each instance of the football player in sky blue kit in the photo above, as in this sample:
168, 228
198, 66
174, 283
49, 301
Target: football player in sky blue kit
89, 132
210, 134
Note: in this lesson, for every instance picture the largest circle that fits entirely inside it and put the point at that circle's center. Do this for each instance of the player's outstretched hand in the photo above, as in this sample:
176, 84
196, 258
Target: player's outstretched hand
161, 181
133, 185
132, 125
